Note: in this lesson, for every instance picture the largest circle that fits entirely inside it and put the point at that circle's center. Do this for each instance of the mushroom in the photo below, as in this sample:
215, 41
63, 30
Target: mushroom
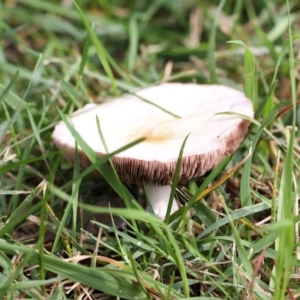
171, 112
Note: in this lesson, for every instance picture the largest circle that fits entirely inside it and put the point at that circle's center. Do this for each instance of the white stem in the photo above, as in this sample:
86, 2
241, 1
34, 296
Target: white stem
159, 199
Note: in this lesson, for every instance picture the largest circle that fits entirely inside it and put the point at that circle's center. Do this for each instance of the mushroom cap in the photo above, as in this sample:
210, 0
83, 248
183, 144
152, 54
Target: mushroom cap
213, 136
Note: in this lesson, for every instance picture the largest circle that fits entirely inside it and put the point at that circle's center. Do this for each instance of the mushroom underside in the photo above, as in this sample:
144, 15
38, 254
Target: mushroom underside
161, 173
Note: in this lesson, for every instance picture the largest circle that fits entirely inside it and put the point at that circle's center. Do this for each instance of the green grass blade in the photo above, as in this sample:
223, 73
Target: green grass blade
212, 44
245, 189
113, 285
104, 170
175, 180
99, 47
133, 42
287, 199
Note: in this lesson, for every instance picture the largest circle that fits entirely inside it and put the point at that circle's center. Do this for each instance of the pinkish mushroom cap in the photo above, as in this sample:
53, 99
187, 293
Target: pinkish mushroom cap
213, 136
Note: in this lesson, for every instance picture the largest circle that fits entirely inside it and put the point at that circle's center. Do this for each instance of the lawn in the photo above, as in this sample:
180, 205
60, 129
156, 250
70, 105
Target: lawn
236, 235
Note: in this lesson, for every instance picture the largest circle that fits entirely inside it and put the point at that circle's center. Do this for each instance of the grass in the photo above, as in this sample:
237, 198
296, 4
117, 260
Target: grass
240, 239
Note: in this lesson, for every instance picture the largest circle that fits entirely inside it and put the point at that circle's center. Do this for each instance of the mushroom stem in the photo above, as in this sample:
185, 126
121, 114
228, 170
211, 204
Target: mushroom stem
159, 199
